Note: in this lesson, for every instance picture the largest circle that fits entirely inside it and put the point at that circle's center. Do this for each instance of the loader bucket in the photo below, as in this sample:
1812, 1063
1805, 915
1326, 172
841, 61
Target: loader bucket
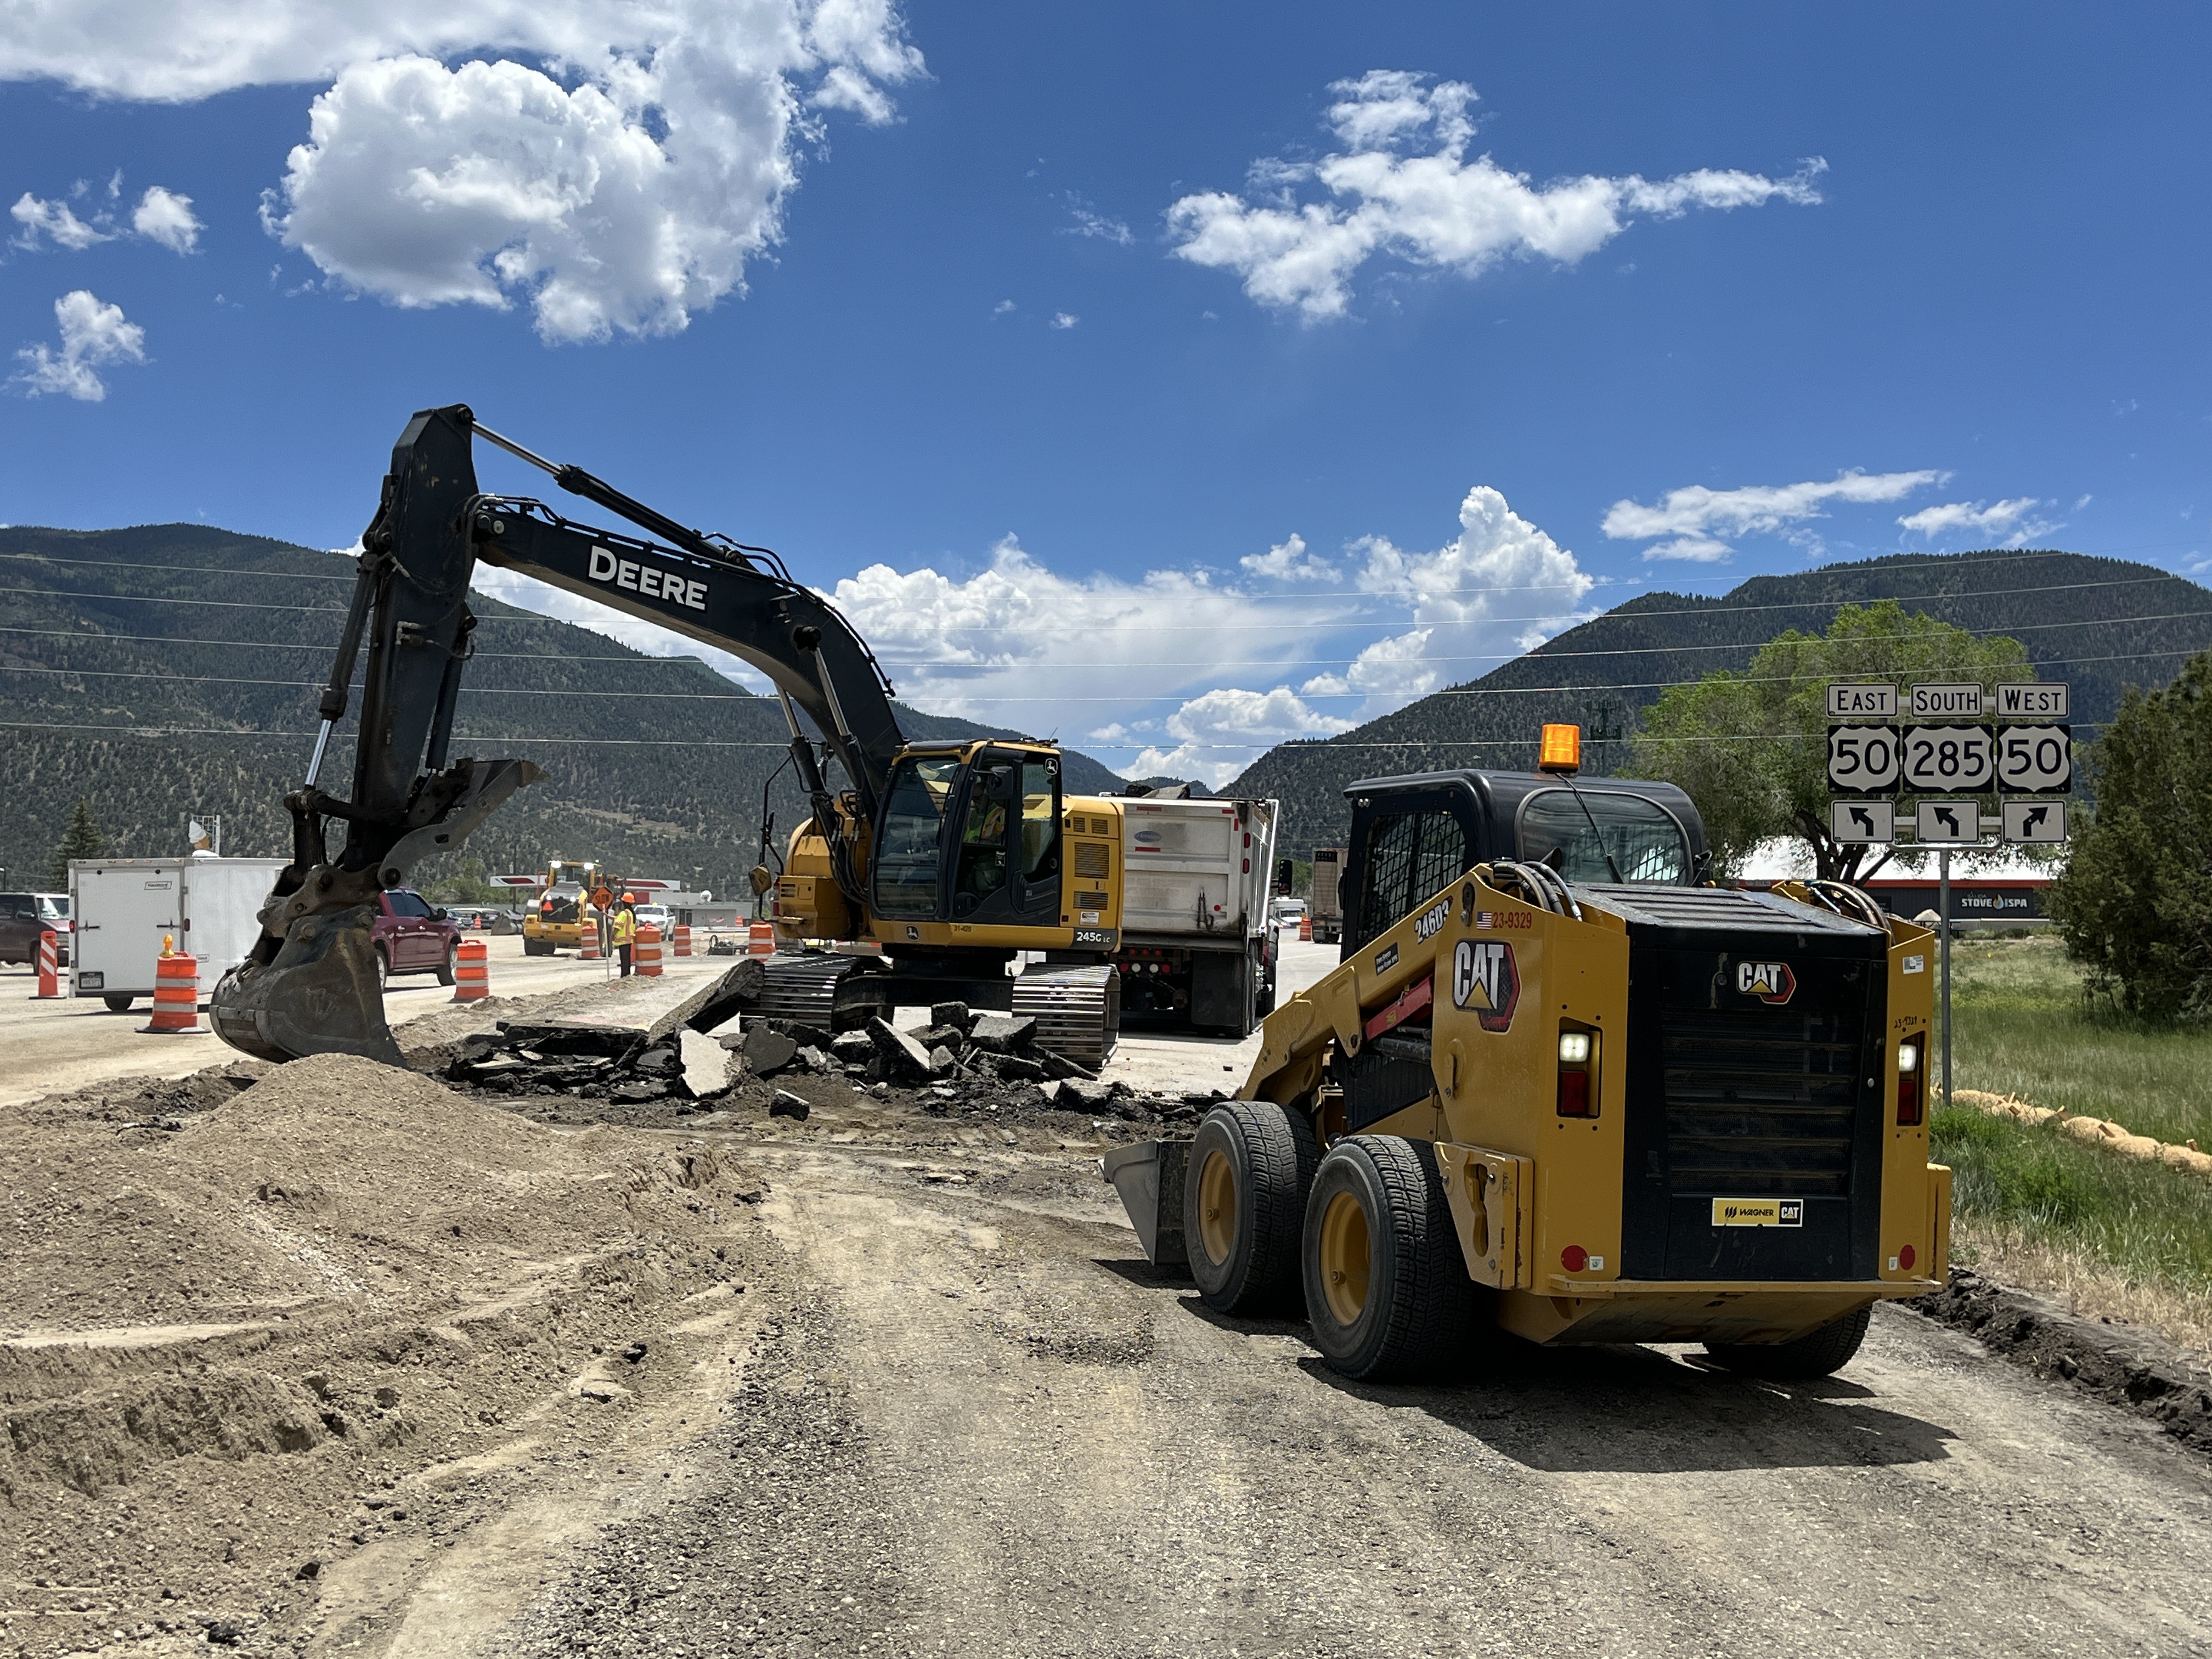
1149, 1177
318, 996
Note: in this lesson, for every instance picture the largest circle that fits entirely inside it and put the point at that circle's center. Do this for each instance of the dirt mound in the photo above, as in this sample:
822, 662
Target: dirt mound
232, 1301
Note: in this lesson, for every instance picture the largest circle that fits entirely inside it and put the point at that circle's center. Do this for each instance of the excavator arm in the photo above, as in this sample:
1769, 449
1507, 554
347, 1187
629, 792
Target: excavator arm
310, 986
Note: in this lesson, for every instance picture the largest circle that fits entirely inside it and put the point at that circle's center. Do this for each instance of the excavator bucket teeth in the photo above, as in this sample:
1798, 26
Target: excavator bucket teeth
318, 996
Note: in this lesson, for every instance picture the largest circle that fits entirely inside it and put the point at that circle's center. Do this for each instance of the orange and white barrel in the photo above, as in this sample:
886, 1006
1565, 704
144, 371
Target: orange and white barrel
682, 939
49, 966
645, 954
760, 939
176, 994
1305, 929
587, 932
471, 970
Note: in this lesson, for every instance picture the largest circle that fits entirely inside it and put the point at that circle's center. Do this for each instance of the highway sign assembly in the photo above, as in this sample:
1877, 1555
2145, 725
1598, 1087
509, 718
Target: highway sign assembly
1865, 703
1862, 758
1948, 757
2038, 822
1863, 823
1948, 823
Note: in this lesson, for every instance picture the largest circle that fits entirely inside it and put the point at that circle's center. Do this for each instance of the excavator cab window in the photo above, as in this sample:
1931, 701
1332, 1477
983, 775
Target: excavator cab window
1009, 870
909, 852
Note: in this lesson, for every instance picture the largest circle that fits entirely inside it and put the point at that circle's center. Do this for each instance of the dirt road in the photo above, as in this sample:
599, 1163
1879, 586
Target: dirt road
989, 1429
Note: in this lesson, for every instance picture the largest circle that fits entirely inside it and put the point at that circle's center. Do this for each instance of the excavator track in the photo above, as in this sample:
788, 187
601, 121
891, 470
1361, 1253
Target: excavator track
1078, 1010
804, 987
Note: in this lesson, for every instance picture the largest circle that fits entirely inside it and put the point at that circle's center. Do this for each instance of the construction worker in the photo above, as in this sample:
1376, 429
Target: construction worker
625, 920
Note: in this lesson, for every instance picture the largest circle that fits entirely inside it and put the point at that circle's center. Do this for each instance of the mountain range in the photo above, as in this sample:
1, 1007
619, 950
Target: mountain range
110, 639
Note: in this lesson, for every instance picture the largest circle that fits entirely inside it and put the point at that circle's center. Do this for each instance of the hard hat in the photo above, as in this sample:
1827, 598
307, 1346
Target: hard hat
630, 898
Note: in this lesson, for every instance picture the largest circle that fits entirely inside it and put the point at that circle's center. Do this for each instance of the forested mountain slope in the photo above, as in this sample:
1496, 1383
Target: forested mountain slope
2100, 624
174, 669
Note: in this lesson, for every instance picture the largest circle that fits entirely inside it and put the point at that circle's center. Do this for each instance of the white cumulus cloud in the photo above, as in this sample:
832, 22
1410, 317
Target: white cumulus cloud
1064, 319
165, 217
93, 335
1288, 560
1221, 733
1499, 566
2015, 522
615, 172
162, 216
1697, 517
1402, 185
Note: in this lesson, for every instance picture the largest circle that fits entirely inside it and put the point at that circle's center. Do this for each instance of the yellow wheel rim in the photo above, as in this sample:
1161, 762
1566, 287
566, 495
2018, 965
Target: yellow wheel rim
1344, 1258
1217, 1207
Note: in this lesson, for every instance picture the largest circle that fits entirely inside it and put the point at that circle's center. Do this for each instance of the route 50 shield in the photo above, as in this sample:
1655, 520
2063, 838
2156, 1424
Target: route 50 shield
1485, 981
1940, 760
2035, 760
1862, 760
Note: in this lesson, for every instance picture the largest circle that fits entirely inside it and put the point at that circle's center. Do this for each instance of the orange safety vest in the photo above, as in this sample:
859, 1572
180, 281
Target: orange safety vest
625, 926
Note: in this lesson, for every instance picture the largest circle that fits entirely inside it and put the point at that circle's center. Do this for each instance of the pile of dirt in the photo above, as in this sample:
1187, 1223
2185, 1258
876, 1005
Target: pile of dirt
236, 1302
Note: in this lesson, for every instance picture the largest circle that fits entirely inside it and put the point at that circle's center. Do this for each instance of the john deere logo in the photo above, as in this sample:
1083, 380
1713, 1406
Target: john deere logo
1484, 980
1770, 981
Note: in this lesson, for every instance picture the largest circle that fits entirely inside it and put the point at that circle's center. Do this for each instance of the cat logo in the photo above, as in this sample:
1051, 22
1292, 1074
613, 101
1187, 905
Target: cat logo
1770, 981
1484, 980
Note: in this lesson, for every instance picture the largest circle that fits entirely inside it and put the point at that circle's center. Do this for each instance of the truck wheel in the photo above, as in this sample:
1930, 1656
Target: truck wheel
1387, 1287
445, 972
119, 1005
1243, 1194
1817, 1354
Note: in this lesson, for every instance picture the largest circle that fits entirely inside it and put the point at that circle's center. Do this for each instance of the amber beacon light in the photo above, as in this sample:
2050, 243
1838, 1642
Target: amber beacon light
1562, 750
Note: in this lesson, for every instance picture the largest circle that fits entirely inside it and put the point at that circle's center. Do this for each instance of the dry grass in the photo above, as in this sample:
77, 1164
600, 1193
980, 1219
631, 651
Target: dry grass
2083, 1282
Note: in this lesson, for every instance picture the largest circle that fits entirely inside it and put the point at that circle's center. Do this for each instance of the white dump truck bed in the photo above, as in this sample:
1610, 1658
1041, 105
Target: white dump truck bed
1197, 869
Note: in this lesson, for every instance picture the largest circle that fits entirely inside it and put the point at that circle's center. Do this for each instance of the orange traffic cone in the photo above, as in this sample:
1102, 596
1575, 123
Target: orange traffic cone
1305, 930
645, 952
589, 934
176, 993
471, 970
683, 939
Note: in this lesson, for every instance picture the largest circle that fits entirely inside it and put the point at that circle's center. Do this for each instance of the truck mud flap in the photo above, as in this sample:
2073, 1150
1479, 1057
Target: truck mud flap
1078, 1010
1149, 1177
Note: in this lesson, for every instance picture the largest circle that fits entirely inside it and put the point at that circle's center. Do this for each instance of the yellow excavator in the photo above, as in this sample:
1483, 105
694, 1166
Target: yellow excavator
1561, 1086
951, 860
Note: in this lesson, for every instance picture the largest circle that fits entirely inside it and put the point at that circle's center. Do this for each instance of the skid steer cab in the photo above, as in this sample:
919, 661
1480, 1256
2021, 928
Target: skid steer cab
1560, 1087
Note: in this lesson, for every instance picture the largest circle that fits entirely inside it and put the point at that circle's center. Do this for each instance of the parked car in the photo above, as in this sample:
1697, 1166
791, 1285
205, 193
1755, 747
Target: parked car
24, 916
655, 915
413, 936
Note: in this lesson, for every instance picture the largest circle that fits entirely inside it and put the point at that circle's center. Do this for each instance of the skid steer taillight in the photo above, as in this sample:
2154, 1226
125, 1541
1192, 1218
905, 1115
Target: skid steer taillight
1577, 1074
1911, 1082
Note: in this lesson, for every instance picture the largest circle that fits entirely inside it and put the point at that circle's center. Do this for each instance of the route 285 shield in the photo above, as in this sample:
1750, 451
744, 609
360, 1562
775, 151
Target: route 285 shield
1484, 980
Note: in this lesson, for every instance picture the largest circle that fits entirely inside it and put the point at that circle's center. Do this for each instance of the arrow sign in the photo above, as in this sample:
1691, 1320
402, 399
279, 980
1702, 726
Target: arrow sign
2036, 823
1953, 823
1863, 823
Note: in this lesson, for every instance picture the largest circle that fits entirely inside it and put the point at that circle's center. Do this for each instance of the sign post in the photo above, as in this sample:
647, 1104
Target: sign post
1943, 910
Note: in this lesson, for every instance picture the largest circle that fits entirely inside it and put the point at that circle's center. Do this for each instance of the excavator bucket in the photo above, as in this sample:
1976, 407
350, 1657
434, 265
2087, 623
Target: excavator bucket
318, 996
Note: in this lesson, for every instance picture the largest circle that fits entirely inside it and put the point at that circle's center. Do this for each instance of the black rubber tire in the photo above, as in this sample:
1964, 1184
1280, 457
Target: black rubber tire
1420, 1309
1271, 1155
1817, 1354
119, 1005
447, 974
383, 970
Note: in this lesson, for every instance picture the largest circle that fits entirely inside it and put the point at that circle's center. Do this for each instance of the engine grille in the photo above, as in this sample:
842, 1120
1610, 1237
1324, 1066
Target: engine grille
1760, 1103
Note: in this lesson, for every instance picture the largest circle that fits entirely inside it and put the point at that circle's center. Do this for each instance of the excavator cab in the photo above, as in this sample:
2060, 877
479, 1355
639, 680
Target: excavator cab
969, 836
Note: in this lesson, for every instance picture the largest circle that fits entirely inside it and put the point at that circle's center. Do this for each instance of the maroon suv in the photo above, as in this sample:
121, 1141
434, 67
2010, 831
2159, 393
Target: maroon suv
413, 937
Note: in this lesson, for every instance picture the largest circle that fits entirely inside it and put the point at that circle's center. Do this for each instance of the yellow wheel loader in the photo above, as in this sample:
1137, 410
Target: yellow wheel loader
1560, 1087
947, 861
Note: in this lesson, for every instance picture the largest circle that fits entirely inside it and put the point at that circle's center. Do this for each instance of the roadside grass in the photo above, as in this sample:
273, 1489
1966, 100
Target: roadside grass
2106, 1235
2024, 1026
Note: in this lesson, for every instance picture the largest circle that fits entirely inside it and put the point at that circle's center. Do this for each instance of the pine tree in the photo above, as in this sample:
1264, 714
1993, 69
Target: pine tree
82, 839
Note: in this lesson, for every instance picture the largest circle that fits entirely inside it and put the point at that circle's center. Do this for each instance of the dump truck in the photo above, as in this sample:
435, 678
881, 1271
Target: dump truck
1322, 904
1197, 950
1562, 1086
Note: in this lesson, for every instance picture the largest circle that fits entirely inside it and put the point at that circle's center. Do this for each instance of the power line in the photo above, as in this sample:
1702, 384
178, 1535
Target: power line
187, 569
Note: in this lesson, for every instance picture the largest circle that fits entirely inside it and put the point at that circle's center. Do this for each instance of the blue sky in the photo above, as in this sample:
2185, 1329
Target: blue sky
1174, 378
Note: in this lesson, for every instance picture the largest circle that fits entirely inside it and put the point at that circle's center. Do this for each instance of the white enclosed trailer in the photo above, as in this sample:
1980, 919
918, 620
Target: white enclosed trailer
1196, 947
124, 906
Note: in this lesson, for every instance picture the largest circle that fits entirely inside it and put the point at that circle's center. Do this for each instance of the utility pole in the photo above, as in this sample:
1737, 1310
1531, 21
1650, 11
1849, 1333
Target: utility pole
1604, 725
